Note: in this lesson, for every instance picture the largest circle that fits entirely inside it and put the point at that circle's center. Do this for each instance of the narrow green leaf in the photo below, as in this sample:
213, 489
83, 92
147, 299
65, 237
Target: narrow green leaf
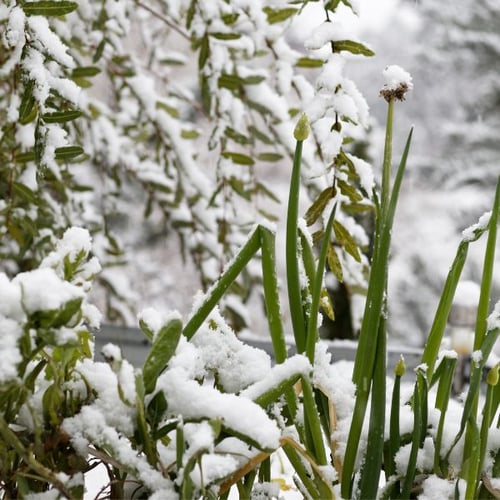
271, 157
318, 206
162, 350
278, 15
49, 8
85, 71
99, 51
215, 293
68, 152
61, 116
350, 191
346, 240
334, 263
238, 158
352, 47
27, 105
260, 135
309, 62
25, 193
82, 82
25, 157
226, 36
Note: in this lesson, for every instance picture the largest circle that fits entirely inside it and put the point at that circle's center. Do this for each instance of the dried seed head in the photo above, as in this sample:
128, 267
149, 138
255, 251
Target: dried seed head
397, 83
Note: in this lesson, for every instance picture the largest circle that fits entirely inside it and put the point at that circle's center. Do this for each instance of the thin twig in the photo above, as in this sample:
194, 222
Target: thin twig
165, 19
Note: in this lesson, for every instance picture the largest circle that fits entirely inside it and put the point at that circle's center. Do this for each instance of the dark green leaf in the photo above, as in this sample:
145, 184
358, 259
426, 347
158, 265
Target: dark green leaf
27, 105
229, 19
156, 409
49, 8
204, 52
352, 47
230, 82
238, 158
334, 263
25, 157
61, 116
253, 80
68, 152
162, 350
174, 113
24, 192
99, 50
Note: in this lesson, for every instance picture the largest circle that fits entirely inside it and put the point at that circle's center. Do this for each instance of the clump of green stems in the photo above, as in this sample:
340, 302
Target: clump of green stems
369, 374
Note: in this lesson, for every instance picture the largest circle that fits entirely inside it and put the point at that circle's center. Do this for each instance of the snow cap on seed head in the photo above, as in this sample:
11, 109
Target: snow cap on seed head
397, 83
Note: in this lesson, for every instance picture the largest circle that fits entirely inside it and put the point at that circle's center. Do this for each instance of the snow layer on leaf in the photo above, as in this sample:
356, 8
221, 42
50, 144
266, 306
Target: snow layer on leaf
188, 398
295, 364
42, 33
237, 364
43, 290
468, 234
326, 33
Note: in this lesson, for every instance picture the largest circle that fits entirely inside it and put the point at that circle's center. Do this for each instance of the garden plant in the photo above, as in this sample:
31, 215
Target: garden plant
207, 416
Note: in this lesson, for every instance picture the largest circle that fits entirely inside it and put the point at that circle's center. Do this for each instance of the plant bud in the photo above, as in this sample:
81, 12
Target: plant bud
492, 377
302, 129
400, 368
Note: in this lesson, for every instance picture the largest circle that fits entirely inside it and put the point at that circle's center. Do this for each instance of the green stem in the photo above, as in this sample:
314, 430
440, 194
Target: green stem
386, 167
312, 326
292, 255
215, 293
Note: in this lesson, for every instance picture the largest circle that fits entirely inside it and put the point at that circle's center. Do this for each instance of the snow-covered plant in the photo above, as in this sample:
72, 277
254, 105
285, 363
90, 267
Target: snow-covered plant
96, 121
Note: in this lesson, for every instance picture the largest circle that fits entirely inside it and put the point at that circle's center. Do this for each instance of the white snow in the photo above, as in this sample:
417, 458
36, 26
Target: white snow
469, 234
395, 76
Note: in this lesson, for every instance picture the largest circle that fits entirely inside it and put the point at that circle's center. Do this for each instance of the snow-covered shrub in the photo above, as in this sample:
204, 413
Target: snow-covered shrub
206, 412
107, 109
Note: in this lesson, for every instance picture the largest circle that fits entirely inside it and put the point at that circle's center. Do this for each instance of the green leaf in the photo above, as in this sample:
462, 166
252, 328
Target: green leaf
278, 15
271, 157
352, 47
230, 81
162, 350
239, 187
25, 193
346, 240
99, 50
260, 135
68, 152
85, 71
61, 116
226, 36
82, 82
238, 158
326, 302
236, 136
309, 62
49, 8
204, 52
316, 209
190, 134
253, 80
174, 113
27, 109
156, 409
334, 263
350, 191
